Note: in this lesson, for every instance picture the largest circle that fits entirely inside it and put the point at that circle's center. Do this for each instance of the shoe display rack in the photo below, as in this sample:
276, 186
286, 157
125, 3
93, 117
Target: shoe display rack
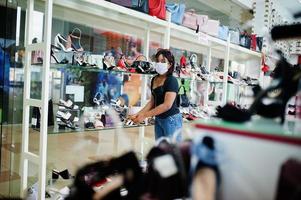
111, 17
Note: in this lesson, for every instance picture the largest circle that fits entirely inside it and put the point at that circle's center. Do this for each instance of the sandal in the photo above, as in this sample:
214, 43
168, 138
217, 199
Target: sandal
67, 104
62, 43
66, 116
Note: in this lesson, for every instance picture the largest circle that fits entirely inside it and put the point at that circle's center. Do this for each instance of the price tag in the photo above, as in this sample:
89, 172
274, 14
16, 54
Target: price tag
34, 121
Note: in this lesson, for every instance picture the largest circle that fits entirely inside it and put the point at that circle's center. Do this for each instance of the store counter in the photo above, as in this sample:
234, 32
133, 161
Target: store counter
251, 155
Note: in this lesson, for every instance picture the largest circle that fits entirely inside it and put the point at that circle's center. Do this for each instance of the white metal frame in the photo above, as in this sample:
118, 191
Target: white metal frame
226, 69
26, 156
110, 12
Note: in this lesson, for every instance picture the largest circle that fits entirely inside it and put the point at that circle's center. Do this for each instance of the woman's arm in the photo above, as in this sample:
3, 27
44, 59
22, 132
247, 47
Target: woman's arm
146, 108
165, 106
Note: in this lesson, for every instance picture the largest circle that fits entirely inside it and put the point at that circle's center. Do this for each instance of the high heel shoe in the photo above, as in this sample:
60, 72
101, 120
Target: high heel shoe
95, 174
68, 104
98, 99
64, 174
271, 102
61, 42
68, 123
53, 56
109, 62
74, 39
54, 49
66, 116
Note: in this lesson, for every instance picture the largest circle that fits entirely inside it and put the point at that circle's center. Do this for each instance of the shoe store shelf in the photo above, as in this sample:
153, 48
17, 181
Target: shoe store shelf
63, 67
216, 44
56, 130
216, 82
89, 11
111, 12
128, 18
243, 53
92, 69
118, 18
241, 84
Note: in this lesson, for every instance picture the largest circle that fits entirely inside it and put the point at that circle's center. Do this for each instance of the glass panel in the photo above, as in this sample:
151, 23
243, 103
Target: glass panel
11, 52
216, 92
191, 74
156, 42
37, 32
34, 133
36, 75
217, 65
32, 180
84, 93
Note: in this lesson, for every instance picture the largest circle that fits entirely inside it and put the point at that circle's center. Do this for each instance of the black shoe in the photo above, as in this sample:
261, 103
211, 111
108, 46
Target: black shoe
143, 67
64, 174
69, 124
284, 85
89, 125
233, 114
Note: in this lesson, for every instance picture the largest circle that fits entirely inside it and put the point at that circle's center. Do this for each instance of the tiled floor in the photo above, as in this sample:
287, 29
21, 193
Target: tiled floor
68, 150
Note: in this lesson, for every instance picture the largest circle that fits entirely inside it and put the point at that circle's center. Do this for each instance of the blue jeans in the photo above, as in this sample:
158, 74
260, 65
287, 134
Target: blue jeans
168, 126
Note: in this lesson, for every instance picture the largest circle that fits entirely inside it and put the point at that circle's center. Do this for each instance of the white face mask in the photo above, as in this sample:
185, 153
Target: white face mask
161, 68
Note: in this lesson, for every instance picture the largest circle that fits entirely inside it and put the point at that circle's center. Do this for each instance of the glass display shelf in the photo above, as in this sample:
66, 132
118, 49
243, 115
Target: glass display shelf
198, 80
74, 68
55, 130
242, 53
91, 69
126, 17
215, 82
240, 85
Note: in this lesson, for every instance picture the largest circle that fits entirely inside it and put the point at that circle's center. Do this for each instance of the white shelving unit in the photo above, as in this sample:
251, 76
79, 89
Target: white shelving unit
27, 156
109, 16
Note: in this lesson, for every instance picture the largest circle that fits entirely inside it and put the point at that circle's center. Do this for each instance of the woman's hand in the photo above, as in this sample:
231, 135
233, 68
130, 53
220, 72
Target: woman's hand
139, 118
132, 117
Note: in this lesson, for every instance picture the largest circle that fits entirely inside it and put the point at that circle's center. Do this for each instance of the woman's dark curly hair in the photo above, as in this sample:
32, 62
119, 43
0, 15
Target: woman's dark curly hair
168, 55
